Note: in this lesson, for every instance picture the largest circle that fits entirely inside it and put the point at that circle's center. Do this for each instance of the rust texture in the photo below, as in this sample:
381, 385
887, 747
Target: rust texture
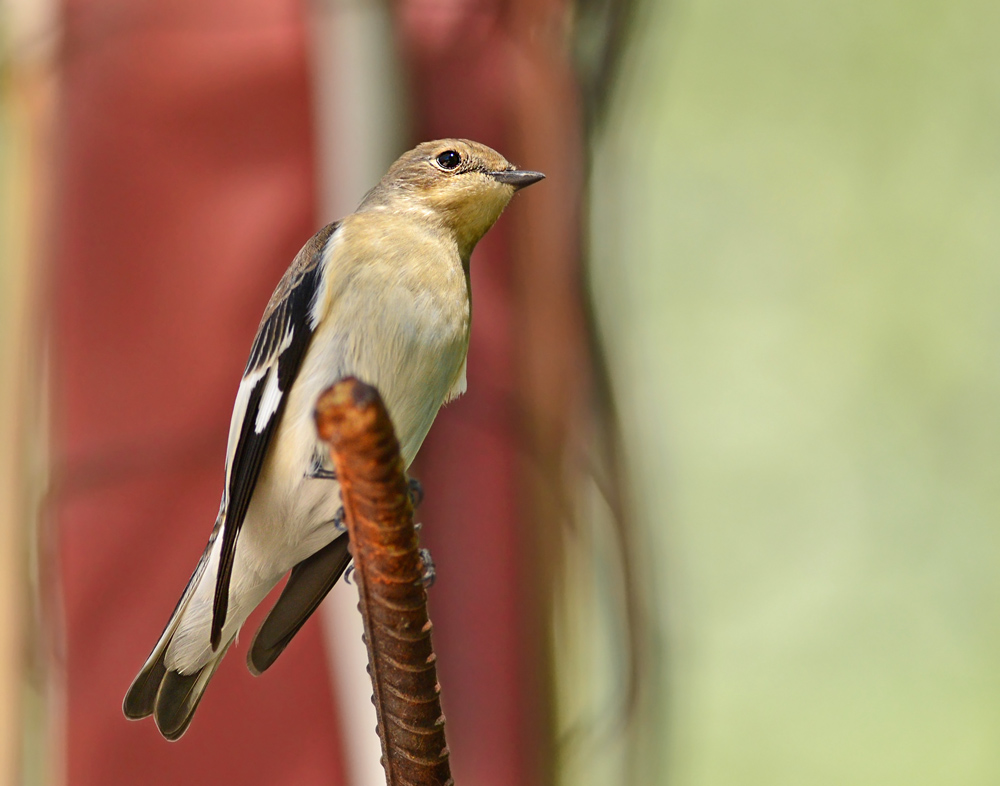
388, 569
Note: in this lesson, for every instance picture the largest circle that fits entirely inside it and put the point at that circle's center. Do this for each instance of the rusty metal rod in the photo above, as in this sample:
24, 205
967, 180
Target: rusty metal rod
388, 569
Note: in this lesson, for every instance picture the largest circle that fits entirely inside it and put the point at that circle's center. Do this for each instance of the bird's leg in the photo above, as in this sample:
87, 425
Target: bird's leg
321, 473
319, 470
416, 497
416, 492
430, 574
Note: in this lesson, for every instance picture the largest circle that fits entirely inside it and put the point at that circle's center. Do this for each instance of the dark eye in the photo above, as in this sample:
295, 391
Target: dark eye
449, 159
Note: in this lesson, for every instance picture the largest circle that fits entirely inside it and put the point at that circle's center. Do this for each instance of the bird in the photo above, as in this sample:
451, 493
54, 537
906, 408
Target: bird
382, 295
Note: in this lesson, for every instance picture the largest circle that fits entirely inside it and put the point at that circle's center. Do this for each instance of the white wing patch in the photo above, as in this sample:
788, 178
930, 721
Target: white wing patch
268, 401
271, 397
247, 384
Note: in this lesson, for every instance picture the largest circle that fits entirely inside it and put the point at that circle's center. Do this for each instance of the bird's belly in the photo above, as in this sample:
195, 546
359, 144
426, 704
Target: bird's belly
290, 517
413, 354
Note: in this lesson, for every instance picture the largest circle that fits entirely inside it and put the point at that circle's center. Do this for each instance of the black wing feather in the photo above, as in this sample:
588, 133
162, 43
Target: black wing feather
308, 584
288, 310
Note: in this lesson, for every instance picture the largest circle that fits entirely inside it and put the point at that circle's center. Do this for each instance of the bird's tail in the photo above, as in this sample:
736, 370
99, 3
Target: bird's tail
169, 696
162, 689
178, 670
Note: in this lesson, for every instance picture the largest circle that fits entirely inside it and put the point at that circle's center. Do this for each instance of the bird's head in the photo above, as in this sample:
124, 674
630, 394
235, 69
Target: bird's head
460, 183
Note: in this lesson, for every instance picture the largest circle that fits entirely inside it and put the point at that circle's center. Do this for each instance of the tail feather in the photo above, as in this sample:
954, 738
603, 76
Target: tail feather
180, 694
140, 701
172, 681
308, 584
161, 691
168, 695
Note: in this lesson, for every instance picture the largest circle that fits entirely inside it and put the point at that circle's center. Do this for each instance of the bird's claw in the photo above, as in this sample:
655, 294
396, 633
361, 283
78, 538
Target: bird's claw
430, 574
319, 471
416, 492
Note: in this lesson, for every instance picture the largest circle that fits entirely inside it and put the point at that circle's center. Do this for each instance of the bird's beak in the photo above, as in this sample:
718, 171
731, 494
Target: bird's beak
519, 178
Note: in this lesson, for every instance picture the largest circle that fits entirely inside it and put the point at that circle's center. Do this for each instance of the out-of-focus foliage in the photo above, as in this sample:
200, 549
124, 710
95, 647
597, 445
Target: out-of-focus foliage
796, 237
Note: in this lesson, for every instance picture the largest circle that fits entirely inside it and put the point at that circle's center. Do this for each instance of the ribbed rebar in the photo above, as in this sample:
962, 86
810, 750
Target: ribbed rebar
389, 572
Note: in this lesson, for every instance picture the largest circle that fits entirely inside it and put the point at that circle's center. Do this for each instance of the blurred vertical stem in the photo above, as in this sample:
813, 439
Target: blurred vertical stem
351, 417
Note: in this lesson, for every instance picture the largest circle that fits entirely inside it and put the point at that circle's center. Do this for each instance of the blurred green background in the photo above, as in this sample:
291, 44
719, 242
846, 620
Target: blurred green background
796, 260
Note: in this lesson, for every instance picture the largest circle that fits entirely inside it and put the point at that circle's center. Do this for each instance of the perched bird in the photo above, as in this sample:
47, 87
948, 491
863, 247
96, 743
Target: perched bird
382, 295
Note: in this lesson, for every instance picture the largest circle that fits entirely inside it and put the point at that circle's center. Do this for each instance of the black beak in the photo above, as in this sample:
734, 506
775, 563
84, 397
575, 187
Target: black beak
518, 178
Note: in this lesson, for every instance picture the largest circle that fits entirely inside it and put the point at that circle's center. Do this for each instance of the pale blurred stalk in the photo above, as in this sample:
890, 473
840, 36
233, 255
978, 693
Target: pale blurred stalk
26, 99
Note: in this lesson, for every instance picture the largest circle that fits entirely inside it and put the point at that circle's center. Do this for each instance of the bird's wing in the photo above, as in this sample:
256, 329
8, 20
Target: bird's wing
308, 584
282, 340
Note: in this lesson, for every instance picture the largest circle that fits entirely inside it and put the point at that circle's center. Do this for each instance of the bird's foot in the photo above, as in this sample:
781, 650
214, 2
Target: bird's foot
319, 472
430, 574
416, 492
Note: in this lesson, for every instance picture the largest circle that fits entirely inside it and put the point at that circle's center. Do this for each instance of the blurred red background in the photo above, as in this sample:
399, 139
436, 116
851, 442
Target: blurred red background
188, 153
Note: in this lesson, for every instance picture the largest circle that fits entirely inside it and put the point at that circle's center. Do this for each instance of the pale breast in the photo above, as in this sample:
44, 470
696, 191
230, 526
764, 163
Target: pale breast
397, 316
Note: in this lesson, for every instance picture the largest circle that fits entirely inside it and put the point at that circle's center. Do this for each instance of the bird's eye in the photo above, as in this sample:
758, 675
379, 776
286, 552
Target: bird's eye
449, 159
